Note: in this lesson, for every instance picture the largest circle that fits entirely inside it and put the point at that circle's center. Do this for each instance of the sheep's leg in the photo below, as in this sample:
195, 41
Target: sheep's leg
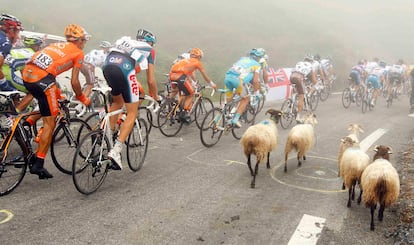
343, 185
304, 157
299, 159
353, 184
268, 160
249, 164
349, 197
286, 157
256, 169
381, 212
360, 197
373, 207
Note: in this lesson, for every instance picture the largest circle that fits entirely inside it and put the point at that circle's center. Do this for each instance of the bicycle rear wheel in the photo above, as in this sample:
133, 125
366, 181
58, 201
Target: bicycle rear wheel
89, 171
364, 105
324, 93
137, 145
288, 116
13, 165
346, 98
203, 106
212, 127
65, 141
168, 120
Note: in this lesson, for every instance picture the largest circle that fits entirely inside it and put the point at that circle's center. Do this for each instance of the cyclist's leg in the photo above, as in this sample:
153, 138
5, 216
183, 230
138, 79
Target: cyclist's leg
185, 87
243, 91
297, 79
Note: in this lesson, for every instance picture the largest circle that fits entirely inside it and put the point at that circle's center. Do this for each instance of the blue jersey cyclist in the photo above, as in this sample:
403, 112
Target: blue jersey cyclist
244, 73
357, 74
376, 77
123, 62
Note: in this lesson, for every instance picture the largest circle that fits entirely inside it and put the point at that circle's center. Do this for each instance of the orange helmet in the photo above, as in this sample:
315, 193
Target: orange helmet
74, 32
197, 52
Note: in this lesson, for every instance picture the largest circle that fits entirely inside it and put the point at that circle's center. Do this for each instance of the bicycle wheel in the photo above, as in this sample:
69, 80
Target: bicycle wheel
346, 97
260, 104
168, 119
324, 93
212, 127
13, 165
203, 106
146, 113
137, 145
65, 141
93, 120
313, 101
288, 116
246, 119
89, 171
364, 103
359, 96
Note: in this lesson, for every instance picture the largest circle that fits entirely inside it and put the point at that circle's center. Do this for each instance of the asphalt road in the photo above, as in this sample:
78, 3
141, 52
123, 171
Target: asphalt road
189, 194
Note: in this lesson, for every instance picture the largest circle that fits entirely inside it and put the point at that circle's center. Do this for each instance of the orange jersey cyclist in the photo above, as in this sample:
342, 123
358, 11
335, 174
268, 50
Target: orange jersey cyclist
39, 77
182, 72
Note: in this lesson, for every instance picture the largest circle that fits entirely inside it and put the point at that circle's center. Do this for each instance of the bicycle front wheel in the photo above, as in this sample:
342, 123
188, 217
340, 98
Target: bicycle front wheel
325, 92
13, 165
346, 98
90, 162
246, 119
137, 145
288, 116
146, 113
212, 127
168, 120
65, 140
201, 109
313, 101
364, 104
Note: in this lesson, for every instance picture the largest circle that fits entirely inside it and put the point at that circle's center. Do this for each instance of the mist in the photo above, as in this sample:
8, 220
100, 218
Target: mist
344, 30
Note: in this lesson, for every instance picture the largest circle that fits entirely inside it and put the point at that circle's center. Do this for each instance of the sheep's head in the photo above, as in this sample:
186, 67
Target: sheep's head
310, 118
349, 141
355, 128
274, 114
382, 151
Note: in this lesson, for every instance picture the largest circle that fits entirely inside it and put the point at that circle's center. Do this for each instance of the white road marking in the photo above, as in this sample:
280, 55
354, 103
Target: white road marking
308, 231
370, 139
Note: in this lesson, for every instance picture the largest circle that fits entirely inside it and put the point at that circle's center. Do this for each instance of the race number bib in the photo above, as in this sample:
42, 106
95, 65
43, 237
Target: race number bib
43, 61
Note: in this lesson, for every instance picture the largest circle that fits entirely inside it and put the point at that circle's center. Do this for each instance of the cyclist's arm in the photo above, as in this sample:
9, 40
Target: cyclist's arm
88, 71
1, 64
74, 81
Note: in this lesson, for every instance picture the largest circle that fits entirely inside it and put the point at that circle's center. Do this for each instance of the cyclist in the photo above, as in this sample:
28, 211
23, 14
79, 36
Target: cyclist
376, 77
10, 28
239, 77
39, 76
312, 77
395, 75
182, 73
15, 62
357, 75
95, 58
124, 61
318, 67
302, 69
146, 44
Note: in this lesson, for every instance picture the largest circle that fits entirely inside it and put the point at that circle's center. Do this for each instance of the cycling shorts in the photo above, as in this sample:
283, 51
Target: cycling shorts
119, 72
184, 85
234, 83
297, 79
355, 77
395, 77
374, 79
47, 94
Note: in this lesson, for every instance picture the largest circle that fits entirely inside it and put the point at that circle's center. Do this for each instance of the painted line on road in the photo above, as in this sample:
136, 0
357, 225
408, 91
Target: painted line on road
308, 231
9, 216
370, 139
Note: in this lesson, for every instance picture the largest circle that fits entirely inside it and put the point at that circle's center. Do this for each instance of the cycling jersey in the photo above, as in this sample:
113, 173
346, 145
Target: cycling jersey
241, 74
5, 44
180, 72
96, 57
53, 59
14, 62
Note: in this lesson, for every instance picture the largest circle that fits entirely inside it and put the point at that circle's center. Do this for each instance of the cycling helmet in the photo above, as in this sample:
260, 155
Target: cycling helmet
382, 64
146, 35
308, 57
105, 44
74, 32
197, 52
303, 67
317, 57
257, 53
32, 40
10, 22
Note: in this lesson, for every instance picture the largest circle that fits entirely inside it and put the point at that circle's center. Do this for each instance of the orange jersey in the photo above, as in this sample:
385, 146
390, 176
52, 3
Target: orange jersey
53, 59
185, 67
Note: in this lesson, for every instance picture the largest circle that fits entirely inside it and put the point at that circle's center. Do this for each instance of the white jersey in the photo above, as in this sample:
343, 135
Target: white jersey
138, 50
96, 57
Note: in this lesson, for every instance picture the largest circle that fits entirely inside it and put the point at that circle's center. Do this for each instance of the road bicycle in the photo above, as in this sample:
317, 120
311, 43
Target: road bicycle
16, 147
171, 115
351, 95
218, 120
289, 107
91, 163
367, 98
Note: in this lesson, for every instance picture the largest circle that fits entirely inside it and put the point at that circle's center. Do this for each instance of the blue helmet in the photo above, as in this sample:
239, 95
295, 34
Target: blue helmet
257, 53
146, 36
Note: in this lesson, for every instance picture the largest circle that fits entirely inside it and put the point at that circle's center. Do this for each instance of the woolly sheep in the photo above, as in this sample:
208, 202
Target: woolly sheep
260, 139
382, 151
301, 138
353, 162
351, 140
381, 184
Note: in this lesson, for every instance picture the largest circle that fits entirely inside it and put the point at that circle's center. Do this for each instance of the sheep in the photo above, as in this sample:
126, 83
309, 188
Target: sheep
350, 140
260, 139
382, 151
353, 162
301, 138
381, 184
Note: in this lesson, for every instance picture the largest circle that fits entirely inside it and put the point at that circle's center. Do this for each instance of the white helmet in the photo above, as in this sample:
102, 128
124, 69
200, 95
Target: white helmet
303, 67
105, 44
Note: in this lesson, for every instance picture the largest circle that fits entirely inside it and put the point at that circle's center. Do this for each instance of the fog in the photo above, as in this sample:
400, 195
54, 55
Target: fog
345, 30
